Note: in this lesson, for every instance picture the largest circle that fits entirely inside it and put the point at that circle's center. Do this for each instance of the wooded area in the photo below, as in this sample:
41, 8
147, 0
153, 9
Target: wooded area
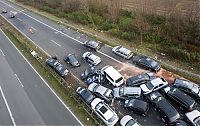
173, 32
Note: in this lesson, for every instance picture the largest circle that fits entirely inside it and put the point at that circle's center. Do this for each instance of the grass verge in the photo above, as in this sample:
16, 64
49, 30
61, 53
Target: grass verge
64, 89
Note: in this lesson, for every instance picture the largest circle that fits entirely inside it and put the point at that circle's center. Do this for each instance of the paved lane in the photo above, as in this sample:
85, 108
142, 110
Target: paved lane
30, 100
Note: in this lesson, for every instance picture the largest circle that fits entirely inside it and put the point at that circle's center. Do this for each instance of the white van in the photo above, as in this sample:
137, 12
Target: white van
113, 76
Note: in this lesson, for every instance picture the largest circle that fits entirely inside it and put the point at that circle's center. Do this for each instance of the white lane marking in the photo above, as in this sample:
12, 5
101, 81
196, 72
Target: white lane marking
19, 80
27, 37
2, 52
9, 111
56, 43
61, 32
33, 28
44, 81
19, 19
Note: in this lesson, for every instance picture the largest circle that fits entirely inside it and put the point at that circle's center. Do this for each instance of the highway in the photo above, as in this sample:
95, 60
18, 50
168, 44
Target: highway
48, 36
25, 99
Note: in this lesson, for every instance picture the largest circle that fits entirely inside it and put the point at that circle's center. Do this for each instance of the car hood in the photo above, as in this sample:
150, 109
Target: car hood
144, 88
116, 92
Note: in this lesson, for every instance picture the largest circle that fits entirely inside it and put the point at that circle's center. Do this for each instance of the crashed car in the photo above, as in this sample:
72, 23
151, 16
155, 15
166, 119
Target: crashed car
140, 79
90, 71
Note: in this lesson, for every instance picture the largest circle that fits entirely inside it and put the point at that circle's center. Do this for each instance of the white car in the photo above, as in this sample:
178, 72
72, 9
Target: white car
113, 76
100, 91
105, 113
194, 117
153, 85
127, 120
123, 52
91, 58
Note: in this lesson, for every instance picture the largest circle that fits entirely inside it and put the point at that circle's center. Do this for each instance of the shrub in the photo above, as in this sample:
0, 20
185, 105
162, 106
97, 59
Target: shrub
130, 36
125, 24
79, 17
107, 25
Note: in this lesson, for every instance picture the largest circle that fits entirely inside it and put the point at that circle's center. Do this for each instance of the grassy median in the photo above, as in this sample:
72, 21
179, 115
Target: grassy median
65, 89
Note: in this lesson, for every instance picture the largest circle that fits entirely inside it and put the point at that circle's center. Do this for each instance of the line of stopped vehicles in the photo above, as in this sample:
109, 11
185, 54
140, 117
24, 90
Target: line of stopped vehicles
137, 93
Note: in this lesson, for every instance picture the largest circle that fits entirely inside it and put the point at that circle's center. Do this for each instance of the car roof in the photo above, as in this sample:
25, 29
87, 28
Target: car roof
182, 96
100, 89
156, 81
93, 56
168, 109
137, 104
84, 93
139, 77
110, 70
95, 102
184, 83
192, 115
92, 42
135, 90
124, 50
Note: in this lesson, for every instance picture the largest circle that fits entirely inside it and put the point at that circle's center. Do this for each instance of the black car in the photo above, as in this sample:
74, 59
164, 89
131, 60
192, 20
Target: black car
71, 58
168, 113
181, 123
92, 44
12, 14
90, 71
61, 70
188, 87
138, 106
146, 62
139, 79
85, 94
180, 97
52, 62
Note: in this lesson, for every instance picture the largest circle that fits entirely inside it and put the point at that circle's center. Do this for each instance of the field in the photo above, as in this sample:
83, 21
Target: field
164, 7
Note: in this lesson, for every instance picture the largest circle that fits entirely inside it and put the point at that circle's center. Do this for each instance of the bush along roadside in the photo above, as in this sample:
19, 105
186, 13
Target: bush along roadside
65, 88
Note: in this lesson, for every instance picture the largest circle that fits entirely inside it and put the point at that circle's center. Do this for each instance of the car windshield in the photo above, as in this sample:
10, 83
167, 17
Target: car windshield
112, 119
153, 63
118, 80
195, 88
72, 58
121, 91
149, 85
197, 121
130, 123
89, 70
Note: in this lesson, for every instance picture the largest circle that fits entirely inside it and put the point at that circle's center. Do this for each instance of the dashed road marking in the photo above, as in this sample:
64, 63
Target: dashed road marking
19, 80
9, 111
2, 52
56, 43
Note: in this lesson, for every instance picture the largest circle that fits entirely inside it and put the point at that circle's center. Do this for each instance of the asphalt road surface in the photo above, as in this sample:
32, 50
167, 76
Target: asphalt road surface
25, 99
48, 36
55, 40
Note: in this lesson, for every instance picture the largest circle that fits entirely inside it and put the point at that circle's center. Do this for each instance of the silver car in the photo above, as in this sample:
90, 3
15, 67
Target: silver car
92, 44
123, 52
91, 58
100, 91
126, 92
153, 85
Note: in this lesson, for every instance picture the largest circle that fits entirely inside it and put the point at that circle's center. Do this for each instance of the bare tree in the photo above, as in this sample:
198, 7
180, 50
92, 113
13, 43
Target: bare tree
141, 24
